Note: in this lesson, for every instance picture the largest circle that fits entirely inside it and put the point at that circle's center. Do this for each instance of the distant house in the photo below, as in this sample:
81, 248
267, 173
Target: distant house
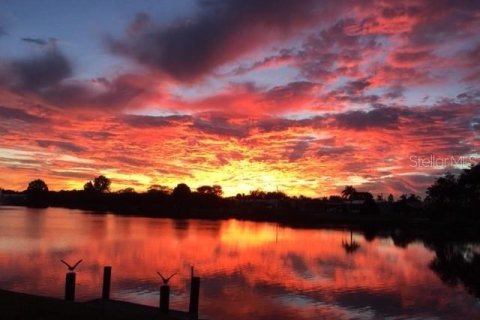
360, 198
358, 202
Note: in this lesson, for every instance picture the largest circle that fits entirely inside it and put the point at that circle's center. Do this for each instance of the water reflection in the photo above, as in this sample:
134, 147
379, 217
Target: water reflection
249, 270
352, 246
458, 264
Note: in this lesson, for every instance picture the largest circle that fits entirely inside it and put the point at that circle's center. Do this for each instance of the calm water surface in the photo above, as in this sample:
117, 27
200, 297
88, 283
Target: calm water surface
249, 270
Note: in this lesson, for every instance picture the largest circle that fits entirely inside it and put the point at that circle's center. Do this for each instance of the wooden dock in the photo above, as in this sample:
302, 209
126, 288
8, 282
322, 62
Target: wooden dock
21, 306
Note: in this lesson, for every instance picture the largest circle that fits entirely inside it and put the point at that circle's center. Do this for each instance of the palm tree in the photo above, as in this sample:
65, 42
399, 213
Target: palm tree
352, 246
348, 193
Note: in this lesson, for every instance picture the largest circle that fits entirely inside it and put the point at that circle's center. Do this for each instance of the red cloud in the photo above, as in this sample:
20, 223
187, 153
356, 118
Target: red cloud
346, 111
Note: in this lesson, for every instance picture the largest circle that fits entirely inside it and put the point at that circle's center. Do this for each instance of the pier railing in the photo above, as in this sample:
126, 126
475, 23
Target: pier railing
164, 301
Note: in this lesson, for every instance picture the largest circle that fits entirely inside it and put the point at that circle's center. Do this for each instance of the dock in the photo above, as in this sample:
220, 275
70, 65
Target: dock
22, 306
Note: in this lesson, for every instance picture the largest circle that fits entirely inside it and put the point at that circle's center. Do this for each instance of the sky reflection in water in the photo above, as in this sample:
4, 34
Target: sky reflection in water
248, 270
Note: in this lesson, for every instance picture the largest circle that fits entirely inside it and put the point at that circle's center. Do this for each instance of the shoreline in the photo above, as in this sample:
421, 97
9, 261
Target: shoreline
400, 227
25, 306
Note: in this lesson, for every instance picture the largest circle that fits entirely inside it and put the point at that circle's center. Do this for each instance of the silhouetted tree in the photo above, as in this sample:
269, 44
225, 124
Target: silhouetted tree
213, 190
88, 187
348, 192
157, 188
37, 194
37, 186
257, 194
335, 198
390, 199
443, 197
414, 198
126, 190
410, 204
181, 191
444, 189
469, 185
275, 195
102, 184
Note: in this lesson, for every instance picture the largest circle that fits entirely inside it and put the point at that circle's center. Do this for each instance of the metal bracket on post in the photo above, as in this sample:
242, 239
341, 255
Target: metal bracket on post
70, 279
165, 293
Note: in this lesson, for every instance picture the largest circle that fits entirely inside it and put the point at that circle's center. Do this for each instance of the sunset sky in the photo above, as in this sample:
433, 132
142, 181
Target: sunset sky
304, 96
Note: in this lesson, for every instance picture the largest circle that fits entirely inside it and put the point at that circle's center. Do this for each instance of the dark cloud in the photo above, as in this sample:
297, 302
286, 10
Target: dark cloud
220, 125
343, 48
395, 92
329, 151
140, 121
290, 92
47, 75
131, 161
376, 118
280, 124
473, 55
285, 55
85, 176
298, 149
41, 42
334, 51
62, 145
102, 93
38, 41
471, 58
414, 56
17, 114
221, 32
356, 86
423, 122
97, 135
353, 92
440, 21
40, 71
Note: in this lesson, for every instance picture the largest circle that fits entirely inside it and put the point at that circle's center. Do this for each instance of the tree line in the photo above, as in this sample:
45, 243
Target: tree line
450, 197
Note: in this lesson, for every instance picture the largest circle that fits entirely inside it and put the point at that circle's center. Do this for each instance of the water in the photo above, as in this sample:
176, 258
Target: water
249, 270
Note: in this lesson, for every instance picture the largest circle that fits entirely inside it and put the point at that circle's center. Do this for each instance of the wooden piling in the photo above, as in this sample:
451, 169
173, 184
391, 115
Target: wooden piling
107, 277
194, 296
70, 286
164, 299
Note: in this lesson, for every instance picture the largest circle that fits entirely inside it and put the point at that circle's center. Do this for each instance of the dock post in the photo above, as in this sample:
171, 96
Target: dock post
107, 277
70, 286
164, 298
194, 297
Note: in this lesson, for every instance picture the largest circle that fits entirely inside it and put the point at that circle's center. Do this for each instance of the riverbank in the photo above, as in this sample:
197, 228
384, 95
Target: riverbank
22, 306
403, 228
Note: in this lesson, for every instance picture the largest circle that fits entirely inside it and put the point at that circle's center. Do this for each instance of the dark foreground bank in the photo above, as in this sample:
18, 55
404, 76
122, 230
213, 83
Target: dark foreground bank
21, 306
